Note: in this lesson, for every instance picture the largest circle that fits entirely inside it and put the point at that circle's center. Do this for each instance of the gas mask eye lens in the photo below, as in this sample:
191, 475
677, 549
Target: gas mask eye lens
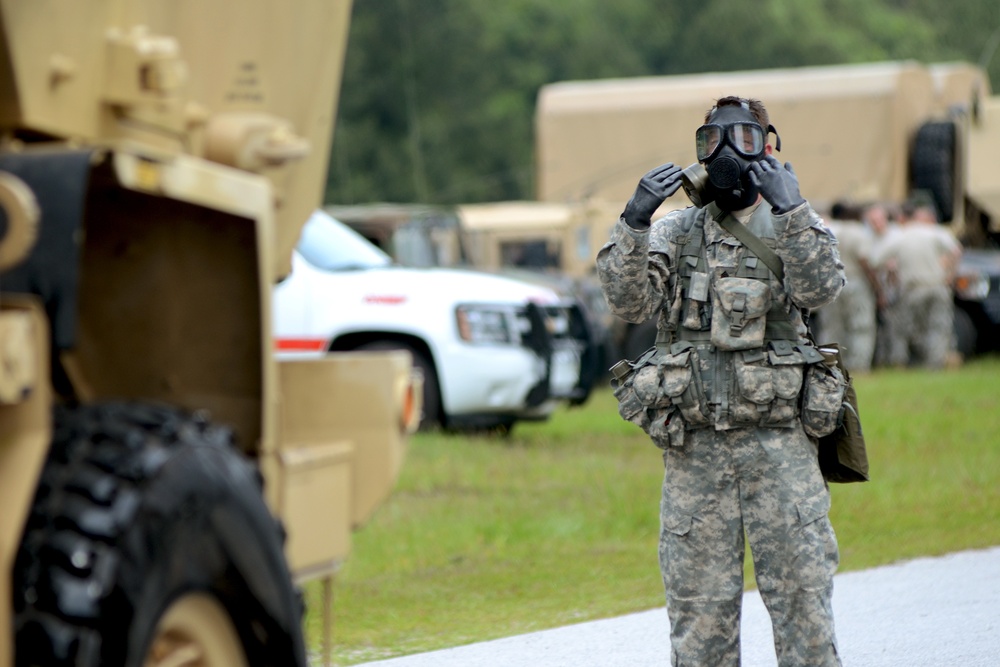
707, 138
746, 138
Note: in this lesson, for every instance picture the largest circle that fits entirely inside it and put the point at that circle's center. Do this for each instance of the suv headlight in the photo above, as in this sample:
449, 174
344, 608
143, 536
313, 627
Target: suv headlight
484, 324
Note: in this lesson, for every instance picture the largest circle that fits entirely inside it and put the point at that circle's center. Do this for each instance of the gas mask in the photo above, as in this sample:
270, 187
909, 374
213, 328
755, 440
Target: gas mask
726, 147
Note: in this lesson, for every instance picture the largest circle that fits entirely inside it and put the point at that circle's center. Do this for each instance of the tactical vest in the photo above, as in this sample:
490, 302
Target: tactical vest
726, 354
737, 342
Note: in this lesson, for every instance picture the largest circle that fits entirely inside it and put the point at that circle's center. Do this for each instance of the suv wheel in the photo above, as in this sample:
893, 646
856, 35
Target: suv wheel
966, 336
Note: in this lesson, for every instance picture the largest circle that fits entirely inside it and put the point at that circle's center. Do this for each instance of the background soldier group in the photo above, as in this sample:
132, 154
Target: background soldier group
896, 308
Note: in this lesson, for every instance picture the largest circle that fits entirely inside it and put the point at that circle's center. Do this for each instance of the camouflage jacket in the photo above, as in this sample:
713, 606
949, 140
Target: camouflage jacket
655, 273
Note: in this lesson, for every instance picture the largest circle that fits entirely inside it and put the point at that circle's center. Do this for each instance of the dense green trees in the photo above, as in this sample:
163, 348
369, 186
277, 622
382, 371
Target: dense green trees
438, 96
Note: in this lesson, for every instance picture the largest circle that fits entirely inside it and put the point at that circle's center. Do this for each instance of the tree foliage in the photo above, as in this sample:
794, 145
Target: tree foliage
438, 96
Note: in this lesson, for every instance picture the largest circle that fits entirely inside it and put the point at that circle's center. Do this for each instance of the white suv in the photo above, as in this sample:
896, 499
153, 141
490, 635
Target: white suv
492, 350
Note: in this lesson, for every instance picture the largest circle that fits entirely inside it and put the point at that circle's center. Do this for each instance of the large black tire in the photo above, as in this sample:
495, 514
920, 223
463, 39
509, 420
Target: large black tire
433, 415
932, 165
966, 335
141, 511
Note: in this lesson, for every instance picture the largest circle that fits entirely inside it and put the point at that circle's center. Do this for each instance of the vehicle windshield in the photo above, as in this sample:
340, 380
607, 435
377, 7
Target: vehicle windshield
331, 245
428, 242
413, 247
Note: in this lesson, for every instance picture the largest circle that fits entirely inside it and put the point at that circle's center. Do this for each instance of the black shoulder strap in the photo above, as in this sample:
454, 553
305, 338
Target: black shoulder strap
753, 242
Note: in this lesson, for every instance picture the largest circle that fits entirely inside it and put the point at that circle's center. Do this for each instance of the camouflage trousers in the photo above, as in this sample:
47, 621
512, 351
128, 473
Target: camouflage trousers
924, 327
850, 320
763, 483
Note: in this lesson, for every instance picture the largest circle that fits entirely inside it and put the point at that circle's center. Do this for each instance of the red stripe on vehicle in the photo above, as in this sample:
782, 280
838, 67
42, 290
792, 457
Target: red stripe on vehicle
300, 344
385, 299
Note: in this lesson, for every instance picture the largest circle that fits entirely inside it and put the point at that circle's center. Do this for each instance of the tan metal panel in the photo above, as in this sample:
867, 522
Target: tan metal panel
983, 148
846, 126
25, 433
169, 73
341, 425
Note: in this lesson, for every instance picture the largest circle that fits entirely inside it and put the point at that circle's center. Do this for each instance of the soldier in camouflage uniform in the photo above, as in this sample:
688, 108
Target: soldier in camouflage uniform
851, 318
721, 394
924, 256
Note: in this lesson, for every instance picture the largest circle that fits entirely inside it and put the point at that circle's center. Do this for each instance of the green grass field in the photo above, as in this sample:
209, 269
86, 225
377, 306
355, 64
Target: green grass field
557, 523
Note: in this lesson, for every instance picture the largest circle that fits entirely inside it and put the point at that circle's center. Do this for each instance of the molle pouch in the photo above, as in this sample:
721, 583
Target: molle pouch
787, 371
641, 401
646, 383
697, 297
630, 408
823, 399
766, 388
738, 313
680, 380
667, 429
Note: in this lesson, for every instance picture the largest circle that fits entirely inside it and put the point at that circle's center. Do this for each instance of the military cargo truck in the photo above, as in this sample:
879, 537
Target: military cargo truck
864, 132
859, 132
157, 161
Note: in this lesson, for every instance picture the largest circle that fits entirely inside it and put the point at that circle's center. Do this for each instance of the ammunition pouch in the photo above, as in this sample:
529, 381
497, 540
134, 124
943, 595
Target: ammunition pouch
739, 306
637, 386
680, 384
765, 387
823, 399
843, 455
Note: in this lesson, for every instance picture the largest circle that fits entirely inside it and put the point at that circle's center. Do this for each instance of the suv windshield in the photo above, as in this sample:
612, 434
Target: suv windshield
328, 244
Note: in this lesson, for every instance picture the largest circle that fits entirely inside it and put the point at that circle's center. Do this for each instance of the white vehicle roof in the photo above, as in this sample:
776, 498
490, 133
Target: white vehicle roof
329, 245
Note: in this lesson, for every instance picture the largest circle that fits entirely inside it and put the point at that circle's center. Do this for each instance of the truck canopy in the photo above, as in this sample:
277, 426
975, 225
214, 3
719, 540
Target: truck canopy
846, 129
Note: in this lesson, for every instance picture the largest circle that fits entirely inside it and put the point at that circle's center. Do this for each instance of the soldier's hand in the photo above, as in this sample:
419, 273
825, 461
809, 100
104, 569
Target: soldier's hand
652, 190
778, 184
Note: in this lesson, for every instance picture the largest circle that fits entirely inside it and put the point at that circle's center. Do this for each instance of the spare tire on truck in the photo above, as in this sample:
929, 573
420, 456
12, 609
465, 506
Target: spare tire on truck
932, 165
148, 544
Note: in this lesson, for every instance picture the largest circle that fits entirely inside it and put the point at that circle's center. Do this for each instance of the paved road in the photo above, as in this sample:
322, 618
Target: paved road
940, 612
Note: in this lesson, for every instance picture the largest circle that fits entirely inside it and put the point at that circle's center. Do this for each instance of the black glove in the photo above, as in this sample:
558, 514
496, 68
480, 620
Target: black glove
652, 190
779, 185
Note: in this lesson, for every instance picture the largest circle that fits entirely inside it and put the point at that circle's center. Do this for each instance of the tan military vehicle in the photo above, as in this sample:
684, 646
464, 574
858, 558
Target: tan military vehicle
853, 132
561, 236
555, 240
858, 132
157, 160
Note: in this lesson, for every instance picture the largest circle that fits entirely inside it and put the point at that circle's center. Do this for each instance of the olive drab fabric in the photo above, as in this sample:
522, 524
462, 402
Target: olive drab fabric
721, 395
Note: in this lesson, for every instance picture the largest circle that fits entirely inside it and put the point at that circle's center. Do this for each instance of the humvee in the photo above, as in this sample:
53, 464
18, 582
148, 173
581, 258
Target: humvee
165, 483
